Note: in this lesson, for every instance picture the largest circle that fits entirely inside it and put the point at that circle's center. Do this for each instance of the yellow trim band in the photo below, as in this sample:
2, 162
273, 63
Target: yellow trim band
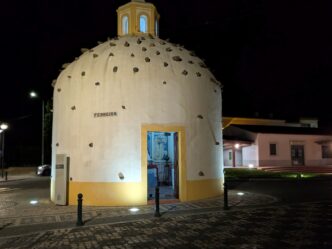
126, 194
201, 189
108, 193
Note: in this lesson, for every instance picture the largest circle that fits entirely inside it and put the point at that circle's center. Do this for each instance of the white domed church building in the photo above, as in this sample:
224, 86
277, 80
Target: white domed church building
135, 112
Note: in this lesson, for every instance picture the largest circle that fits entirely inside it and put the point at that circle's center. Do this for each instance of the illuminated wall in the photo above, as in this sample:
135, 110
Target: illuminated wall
104, 98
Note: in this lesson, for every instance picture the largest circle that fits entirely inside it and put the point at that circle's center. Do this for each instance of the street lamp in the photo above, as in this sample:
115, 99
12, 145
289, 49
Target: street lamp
3, 127
34, 95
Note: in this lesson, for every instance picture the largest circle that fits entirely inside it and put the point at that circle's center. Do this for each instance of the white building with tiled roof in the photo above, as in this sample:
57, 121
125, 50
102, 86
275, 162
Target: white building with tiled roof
265, 143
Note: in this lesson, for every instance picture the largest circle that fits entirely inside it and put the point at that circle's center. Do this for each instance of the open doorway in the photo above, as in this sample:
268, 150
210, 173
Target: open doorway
162, 164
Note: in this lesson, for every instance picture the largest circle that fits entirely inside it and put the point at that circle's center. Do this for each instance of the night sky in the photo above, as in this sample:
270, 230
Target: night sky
273, 57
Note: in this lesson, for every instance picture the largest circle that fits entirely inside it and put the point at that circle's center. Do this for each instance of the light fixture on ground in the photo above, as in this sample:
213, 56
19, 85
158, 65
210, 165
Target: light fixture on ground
134, 209
3, 127
240, 193
34, 95
33, 202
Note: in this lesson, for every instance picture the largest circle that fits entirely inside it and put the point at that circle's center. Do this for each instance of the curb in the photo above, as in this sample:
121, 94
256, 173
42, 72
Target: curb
280, 179
2, 180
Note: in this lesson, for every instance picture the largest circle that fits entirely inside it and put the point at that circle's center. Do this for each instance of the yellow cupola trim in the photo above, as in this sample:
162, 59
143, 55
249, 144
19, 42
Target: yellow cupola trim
137, 17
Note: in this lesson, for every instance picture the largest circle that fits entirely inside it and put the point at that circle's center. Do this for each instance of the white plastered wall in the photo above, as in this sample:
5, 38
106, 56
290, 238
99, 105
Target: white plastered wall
312, 150
116, 140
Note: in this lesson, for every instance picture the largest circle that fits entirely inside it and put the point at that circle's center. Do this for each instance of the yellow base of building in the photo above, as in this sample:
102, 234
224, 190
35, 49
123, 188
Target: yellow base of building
129, 194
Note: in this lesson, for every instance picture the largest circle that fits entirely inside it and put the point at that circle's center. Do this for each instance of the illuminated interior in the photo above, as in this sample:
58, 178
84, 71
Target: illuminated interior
163, 169
125, 25
143, 23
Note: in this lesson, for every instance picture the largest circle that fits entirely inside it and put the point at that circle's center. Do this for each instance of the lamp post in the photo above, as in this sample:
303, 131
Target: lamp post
3, 127
34, 95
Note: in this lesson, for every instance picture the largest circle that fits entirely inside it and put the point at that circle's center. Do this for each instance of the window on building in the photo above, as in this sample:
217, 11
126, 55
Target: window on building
326, 151
273, 149
156, 27
230, 155
143, 24
125, 25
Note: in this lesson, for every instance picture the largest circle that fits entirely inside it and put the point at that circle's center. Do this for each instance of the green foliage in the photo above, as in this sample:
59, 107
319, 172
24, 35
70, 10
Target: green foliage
241, 173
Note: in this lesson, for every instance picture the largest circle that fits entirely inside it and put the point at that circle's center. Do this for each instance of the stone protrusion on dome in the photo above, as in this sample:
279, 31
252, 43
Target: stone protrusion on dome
65, 65
177, 58
121, 176
137, 17
54, 83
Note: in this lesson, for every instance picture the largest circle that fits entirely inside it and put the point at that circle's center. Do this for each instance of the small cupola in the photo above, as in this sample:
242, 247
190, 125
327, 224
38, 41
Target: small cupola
138, 17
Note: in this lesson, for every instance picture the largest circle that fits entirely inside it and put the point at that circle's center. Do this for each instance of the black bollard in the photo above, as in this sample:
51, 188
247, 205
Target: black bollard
157, 213
6, 176
79, 210
225, 196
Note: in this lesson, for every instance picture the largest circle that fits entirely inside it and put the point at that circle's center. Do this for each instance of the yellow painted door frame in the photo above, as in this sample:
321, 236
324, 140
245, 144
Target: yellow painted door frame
181, 155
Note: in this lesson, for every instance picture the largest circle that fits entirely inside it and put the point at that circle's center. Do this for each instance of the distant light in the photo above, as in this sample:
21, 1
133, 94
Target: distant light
33, 94
134, 209
33, 202
250, 166
237, 146
4, 126
240, 193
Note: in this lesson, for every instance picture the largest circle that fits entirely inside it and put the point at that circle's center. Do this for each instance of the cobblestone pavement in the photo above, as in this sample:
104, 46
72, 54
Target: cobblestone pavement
19, 214
305, 225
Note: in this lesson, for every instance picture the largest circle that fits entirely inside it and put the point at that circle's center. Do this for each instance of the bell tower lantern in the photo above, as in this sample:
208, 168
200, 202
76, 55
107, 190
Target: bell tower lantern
138, 17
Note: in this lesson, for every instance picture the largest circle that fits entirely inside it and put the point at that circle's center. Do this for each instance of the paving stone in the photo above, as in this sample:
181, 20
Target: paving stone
305, 225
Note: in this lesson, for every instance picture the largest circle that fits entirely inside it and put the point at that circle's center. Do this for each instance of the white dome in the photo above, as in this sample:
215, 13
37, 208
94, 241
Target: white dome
104, 98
